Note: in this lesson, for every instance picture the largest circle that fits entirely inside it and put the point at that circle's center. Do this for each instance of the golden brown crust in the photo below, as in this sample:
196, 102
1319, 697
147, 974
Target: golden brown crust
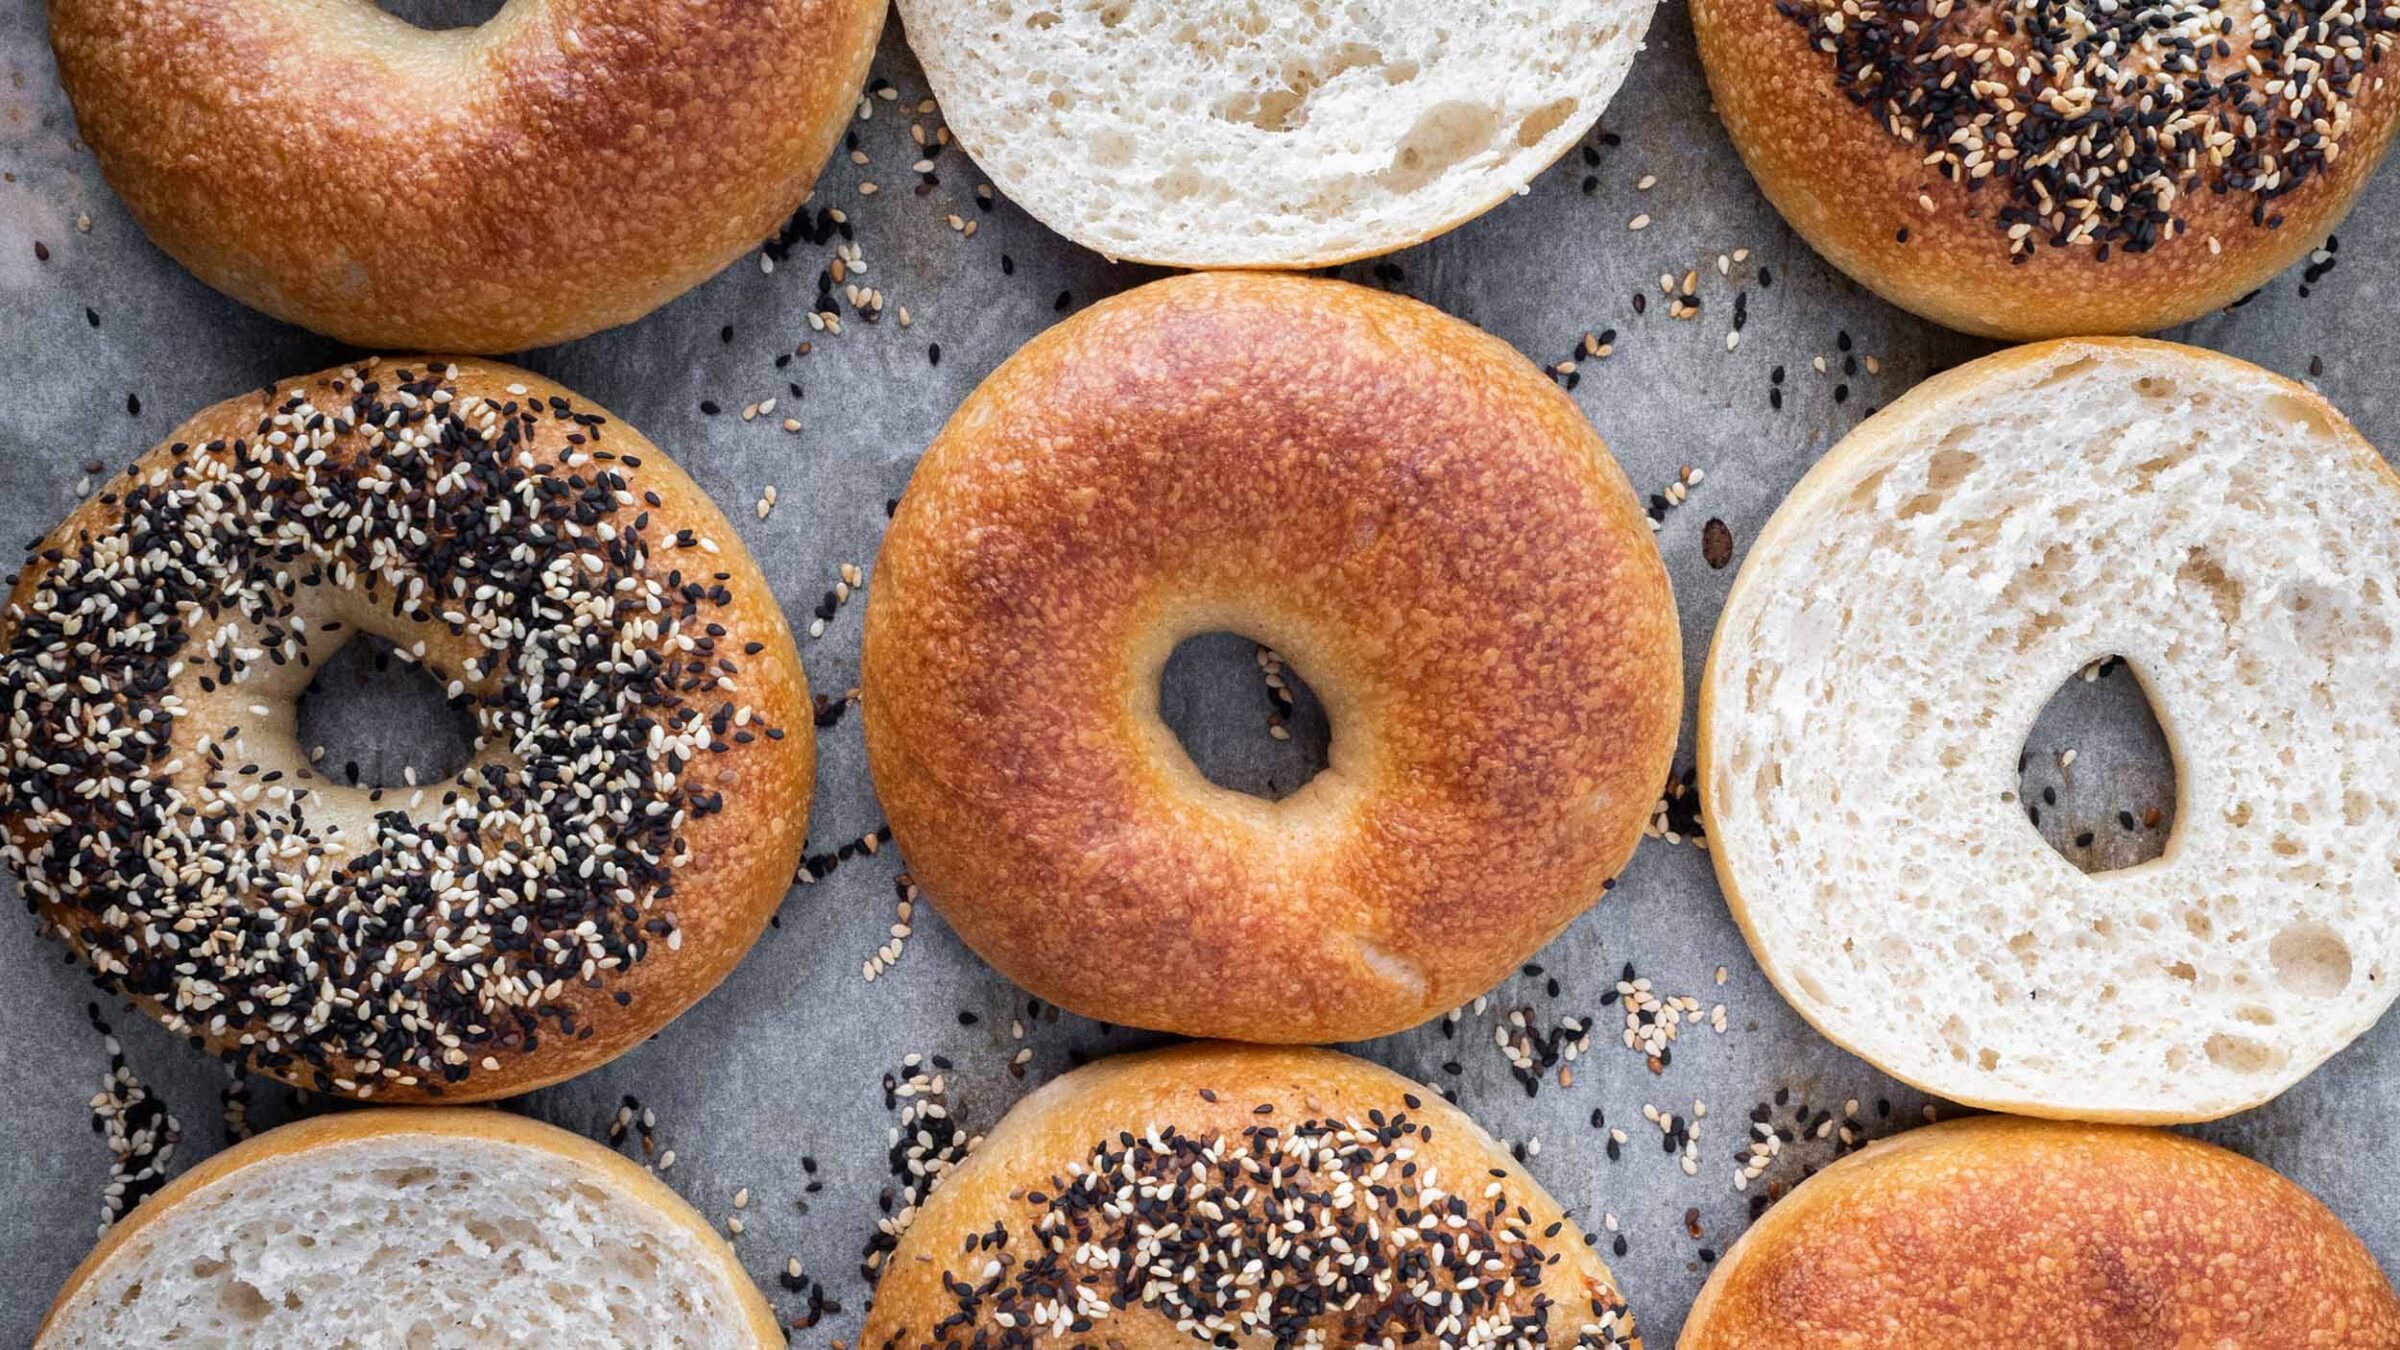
1405, 509
1853, 190
1915, 418
571, 165
290, 1145
1993, 1231
741, 860
1209, 1091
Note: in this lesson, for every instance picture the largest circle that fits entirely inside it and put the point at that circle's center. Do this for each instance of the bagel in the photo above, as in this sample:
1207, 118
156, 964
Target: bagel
1906, 615
1990, 1232
631, 815
434, 1227
1224, 133
2029, 169
570, 165
1406, 510
1230, 1194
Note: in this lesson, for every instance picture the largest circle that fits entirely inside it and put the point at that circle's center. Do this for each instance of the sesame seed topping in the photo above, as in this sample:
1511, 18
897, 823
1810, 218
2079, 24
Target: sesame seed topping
2097, 122
451, 934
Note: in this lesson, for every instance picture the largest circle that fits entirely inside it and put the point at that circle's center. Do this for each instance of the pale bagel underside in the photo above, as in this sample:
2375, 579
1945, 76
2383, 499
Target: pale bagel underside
1287, 134
391, 1228
1906, 616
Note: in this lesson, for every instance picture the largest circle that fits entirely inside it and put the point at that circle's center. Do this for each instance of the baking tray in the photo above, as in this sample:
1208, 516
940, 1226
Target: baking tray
777, 1082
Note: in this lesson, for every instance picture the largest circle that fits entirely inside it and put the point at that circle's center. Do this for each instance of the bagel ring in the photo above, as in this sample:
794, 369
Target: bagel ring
631, 815
566, 166
1402, 506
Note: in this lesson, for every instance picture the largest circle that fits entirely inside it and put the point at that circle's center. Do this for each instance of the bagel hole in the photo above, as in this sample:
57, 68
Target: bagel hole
378, 716
2110, 804
1219, 695
437, 16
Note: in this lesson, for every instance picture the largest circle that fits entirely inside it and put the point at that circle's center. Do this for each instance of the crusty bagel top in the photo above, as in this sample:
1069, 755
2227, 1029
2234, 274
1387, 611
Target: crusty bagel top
1405, 509
629, 822
2047, 168
569, 165
1296, 1193
1995, 1231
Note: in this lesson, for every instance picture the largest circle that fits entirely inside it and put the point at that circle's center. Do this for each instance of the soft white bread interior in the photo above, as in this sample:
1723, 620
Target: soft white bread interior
1903, 620
1243, 133
412, 1228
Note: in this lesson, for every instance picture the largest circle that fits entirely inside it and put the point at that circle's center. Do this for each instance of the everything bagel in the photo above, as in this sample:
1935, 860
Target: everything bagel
1423, 525
2044, 168
633, 810
570, 165
1297, 1197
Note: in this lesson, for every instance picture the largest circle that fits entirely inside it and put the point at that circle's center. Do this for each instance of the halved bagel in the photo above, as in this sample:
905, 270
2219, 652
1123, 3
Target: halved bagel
412, 1227
1906, 615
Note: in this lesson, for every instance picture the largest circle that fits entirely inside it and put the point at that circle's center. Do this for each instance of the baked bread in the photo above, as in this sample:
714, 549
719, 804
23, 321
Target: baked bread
1994, 1232
1238, 1194
432, 1227
1910, 610
1422, 525
631, 815
1221, 133
2029, 169
570, 165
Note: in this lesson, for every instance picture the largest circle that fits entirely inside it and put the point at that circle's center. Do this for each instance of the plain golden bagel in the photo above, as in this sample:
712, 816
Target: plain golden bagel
2035, 169
1890, 643
569, 165
1399, 504
1991, 1232
1300, 1196
629, 818
425, 1227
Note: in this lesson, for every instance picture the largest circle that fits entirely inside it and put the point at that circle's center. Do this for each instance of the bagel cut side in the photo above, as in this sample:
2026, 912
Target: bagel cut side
1423, 526
424, 1227
629, 818
1226, 133
1910, 610
1241, 1194
1989, 1232
568, 166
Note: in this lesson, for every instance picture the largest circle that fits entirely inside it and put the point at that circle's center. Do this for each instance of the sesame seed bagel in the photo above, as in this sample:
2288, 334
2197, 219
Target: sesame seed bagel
1897, 630
431, 1227
569, 165
1406, 510
2042, 168
1299, 1197
630, 817
1991, 1232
